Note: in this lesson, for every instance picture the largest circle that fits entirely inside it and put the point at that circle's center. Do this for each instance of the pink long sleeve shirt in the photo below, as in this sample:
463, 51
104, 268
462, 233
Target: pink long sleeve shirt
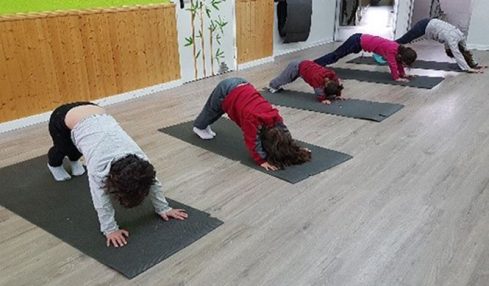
387, 49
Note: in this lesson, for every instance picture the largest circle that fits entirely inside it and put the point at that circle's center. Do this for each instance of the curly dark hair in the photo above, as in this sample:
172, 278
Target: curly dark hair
130, 179
282, 150
406, 55
469, 58
333, 88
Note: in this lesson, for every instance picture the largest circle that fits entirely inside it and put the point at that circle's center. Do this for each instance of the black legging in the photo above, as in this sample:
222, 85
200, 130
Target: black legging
61, 135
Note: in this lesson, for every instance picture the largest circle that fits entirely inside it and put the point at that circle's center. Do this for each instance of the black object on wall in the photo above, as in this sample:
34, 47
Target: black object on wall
294, 19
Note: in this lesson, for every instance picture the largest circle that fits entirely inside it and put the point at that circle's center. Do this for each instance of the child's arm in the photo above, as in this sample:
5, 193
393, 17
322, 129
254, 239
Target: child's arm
400, 69
106, 213
457, 55
157, 198
253, 143
161, 206
321, 96
393, 66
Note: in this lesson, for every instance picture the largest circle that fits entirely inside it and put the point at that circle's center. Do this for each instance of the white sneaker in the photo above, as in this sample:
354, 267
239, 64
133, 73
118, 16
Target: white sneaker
203, 133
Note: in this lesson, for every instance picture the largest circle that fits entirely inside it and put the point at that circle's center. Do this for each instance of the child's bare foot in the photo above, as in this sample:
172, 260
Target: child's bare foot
59, 173
203, 133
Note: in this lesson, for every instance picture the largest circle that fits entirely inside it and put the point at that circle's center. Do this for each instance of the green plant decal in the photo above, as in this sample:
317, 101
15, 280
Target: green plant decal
202, 10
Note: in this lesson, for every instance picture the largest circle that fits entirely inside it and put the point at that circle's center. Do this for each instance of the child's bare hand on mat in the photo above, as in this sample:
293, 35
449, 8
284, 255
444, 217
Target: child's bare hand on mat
307, 149
402, 79
480, 67
326, 101
475, 71
269, 167
179, 214
117, 238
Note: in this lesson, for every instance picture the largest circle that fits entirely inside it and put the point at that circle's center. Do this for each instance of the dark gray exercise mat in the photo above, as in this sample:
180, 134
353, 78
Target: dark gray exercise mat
418, 64
355, 108
65, 210
427, 82
229, 143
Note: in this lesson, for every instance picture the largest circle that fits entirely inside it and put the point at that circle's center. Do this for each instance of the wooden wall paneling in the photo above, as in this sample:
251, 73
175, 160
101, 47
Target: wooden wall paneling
52, 58
254, 20
14, 72
7, 105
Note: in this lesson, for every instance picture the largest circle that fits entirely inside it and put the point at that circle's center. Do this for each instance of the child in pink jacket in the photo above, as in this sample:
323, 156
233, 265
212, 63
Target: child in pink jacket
397, 56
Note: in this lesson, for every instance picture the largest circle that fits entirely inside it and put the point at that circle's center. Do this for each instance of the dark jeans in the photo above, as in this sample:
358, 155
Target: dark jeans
212, 110
351, 46
417, 31
61, 135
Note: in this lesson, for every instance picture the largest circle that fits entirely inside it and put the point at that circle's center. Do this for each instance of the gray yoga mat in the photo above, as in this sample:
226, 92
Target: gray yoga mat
355, 108
65, 210
427, 82
229, 143
418, 64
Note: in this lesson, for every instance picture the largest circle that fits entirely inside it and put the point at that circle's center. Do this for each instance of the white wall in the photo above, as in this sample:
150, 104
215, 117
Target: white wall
478, 37
458, 12
404, 9
322, 28
421, 10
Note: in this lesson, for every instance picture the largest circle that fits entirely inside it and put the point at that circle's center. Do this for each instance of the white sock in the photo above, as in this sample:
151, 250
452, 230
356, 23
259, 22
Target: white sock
59, 173
77, 168
203, 133
208, 129
274, 90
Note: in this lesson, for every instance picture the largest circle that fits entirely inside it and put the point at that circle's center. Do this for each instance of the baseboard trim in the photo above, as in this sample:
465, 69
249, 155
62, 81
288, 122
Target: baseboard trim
308, 46
478, 47
255, 63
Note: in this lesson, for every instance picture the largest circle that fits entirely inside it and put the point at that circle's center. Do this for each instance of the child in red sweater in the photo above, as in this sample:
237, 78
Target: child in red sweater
396, 55
324, 81
266, 137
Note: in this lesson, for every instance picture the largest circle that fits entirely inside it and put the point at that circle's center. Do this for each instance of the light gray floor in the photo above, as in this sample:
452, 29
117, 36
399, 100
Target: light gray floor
411, 207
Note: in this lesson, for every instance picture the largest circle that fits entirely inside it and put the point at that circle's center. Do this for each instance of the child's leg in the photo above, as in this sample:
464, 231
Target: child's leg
212, 110
55, 164
350, 46
62, 145
74, 155
288, 75
417, 31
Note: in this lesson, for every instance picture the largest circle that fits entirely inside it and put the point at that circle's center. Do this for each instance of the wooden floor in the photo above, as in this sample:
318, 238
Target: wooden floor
411, 207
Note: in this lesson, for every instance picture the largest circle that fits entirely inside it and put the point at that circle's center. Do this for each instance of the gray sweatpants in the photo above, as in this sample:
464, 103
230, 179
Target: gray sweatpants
290, 74
212, 110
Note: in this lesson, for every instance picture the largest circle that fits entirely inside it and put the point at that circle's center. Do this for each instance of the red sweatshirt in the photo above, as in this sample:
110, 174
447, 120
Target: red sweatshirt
314, 75
245, 106
387, 49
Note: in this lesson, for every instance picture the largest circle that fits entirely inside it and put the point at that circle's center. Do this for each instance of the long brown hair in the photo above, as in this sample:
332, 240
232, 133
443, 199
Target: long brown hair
406, 55
281, 149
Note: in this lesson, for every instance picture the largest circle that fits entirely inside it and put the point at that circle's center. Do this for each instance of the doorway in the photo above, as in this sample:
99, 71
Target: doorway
376, 17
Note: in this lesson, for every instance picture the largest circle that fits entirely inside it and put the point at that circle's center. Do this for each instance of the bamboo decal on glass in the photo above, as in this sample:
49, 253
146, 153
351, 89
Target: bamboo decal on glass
190, 41
201, 34
215, 34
